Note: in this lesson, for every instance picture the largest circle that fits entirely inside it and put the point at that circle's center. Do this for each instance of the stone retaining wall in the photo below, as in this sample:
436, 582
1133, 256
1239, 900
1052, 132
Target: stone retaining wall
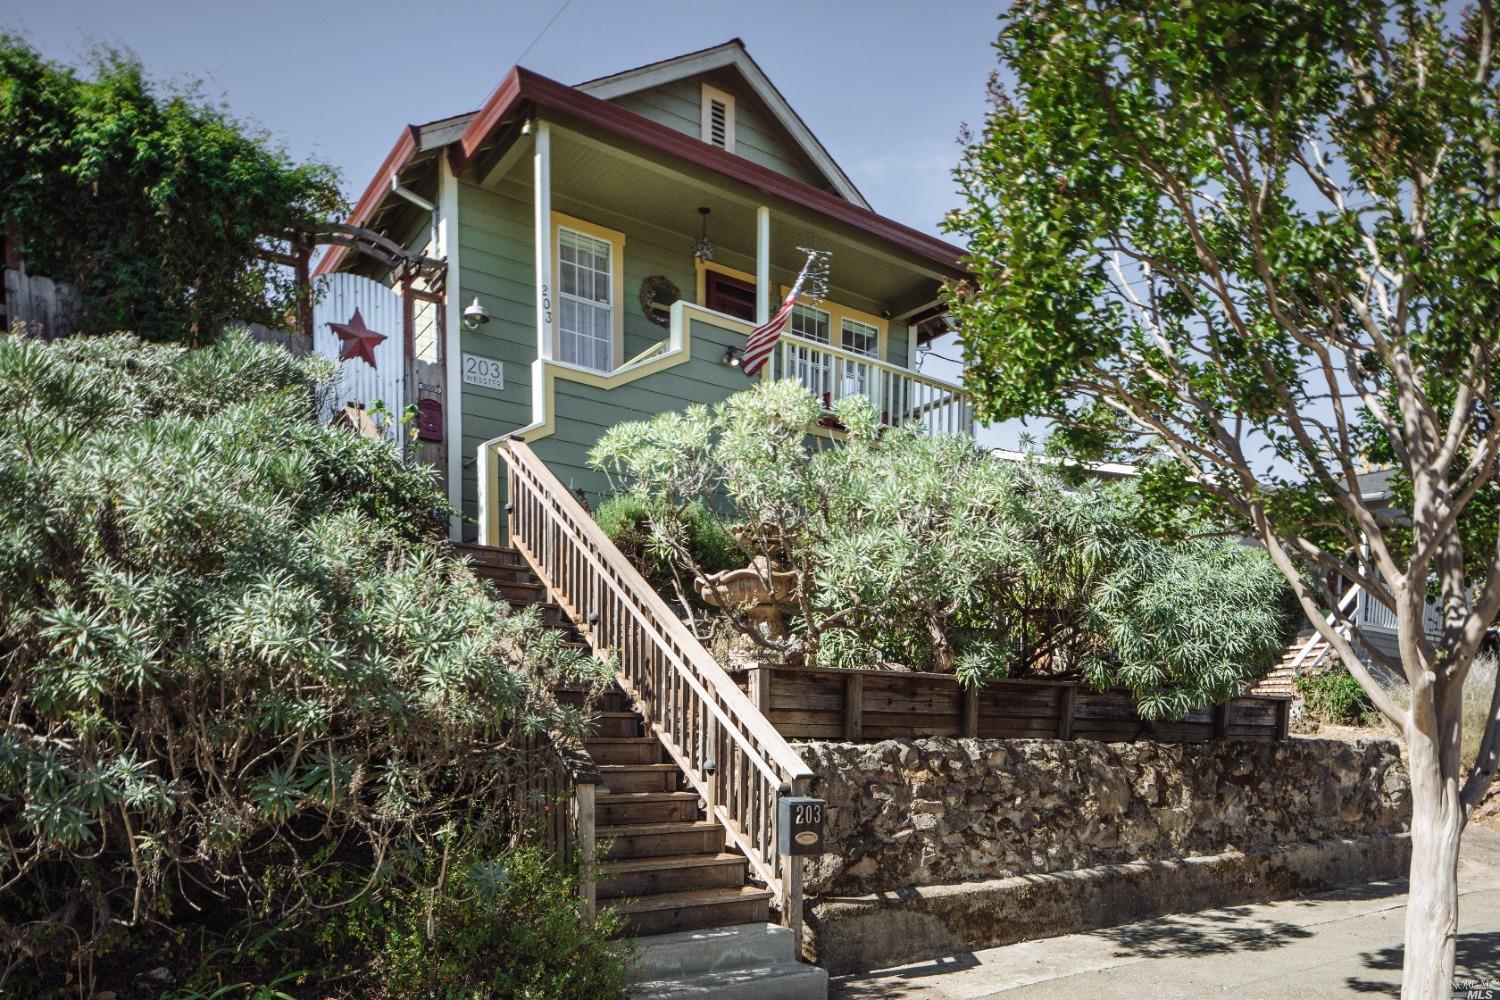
936, 811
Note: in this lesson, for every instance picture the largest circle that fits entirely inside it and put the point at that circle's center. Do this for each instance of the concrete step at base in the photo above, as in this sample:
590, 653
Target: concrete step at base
685, 954
637, 878
777, 982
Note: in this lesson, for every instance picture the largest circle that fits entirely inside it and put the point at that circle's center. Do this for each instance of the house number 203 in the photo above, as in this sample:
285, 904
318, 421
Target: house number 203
807, 814
485, 372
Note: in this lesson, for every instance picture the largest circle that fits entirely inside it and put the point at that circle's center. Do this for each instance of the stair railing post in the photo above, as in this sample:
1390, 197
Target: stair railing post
583, 797
791, 882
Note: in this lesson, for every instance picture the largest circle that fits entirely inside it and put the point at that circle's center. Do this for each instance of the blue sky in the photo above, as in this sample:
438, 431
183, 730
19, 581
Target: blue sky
884, 84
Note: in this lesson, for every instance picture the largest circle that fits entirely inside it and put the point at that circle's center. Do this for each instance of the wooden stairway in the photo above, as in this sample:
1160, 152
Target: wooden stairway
667, 868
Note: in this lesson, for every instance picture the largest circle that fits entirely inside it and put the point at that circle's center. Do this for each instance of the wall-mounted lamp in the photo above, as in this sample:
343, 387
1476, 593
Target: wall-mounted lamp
703, 250
475, 315
733, 357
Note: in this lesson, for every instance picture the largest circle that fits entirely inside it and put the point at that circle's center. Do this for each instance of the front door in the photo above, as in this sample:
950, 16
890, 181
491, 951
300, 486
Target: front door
729, 295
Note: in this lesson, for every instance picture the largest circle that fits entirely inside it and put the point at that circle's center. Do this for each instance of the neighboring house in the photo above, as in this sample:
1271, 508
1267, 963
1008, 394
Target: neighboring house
571, 218
1373, 622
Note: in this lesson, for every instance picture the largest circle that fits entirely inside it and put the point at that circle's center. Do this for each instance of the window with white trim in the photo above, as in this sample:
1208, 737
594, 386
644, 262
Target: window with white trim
857, 338
585, 314
806, 365
718, 118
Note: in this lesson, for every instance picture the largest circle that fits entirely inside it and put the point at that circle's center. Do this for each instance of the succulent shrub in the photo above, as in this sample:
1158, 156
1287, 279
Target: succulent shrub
924, 550
241, 673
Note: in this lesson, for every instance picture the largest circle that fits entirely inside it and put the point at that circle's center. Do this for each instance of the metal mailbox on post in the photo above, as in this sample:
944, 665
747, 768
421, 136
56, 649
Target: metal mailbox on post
799, 825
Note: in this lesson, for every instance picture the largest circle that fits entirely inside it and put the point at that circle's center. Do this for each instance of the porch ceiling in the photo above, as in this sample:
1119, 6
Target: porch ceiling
667, 195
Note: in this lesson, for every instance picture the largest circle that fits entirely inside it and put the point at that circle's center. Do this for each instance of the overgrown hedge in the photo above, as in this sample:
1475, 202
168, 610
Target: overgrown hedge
245, 687
925, 551
152, 200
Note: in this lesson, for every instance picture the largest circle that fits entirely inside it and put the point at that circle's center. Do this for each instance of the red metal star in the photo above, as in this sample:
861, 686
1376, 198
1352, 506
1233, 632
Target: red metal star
359, 340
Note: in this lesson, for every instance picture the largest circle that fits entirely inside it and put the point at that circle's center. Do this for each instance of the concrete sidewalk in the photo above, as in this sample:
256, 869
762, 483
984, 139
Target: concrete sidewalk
1345, 943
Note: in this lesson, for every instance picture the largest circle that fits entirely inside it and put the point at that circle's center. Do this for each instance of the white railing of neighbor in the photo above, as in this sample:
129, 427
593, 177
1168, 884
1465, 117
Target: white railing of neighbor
1373, 616
903, 397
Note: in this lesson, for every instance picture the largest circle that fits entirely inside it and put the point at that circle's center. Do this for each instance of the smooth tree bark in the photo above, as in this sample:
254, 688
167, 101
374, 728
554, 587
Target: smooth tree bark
1256, 247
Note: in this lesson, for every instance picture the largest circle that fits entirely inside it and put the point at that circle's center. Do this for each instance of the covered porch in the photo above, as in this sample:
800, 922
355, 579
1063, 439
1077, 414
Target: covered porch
645, 209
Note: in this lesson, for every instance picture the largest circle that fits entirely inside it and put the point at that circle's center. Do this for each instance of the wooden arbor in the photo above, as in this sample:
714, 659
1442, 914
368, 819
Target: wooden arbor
417, 277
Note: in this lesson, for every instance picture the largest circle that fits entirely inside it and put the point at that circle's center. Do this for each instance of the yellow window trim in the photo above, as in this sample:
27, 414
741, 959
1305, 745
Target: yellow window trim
700, 276
616, 241
837, 313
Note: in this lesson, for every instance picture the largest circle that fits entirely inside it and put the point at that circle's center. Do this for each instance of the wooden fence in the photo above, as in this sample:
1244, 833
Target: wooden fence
38, 307
876, 705
555, 807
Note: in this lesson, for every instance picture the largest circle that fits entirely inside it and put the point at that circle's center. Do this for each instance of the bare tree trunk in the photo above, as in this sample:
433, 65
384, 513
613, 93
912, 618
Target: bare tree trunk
1432, 895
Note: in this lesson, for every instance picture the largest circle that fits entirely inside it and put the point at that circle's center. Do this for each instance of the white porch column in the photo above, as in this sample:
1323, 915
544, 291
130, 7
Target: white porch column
453, 308
762, 265
541, 161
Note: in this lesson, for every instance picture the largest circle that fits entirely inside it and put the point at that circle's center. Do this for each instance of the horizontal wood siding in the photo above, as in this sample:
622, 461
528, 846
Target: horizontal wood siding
585, 412
496, 264
757, 136
818, 704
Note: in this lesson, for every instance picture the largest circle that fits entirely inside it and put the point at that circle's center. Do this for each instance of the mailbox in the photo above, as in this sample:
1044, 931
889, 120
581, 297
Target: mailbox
429, 420
799, 825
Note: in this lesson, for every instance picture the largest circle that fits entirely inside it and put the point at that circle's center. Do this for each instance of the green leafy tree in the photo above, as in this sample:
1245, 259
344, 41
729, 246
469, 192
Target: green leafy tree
1256, 244
242, 676
926, 551
154, 204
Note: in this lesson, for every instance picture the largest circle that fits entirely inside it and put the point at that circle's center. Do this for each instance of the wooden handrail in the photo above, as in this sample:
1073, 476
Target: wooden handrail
731, 754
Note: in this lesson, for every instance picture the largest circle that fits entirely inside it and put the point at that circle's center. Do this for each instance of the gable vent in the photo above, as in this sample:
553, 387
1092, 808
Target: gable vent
718, 123
718, 118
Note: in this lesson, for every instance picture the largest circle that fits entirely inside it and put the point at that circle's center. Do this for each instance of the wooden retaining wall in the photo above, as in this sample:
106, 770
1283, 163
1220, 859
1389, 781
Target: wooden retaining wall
878, 705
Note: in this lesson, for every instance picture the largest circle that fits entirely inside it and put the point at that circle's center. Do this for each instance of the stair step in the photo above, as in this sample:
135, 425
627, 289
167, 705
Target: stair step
632, 808
520, 592
624, 749
616, 724
622, 778
489, 555
685, 954
631, 878
788, 981
647, 840
679, 911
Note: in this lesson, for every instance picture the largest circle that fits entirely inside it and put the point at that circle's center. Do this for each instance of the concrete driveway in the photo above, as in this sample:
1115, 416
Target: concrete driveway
1345, 943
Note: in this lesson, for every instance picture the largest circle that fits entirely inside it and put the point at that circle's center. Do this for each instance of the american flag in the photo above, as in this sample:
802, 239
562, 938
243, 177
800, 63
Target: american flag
762, 340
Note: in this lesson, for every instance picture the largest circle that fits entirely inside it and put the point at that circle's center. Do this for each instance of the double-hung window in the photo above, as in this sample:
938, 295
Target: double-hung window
585, 306
857, 338
805, 364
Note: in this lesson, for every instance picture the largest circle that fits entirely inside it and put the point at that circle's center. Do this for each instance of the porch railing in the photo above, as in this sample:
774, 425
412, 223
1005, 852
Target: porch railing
901, 396
733, 757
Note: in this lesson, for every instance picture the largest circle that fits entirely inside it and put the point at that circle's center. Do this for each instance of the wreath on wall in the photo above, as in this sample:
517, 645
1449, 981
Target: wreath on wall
657, 295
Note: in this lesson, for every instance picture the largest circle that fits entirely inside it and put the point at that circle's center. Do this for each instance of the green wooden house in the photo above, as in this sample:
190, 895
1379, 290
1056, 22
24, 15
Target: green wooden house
611, 244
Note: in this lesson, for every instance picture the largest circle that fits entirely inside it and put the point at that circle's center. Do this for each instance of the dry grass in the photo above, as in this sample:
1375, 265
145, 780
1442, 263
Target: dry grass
1478, 689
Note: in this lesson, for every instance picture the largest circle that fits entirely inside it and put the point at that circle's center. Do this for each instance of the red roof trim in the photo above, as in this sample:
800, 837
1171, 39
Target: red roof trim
379, 186
522, 84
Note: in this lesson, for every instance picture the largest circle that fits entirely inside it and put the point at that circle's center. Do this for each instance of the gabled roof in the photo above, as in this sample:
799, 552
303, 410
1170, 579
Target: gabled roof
462, 136
730, 55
